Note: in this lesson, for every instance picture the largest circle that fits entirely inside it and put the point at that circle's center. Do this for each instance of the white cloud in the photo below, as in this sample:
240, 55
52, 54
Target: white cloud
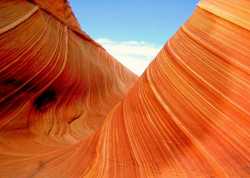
135, 55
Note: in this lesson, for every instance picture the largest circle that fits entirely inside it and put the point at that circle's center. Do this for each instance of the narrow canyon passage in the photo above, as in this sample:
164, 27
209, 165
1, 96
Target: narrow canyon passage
68, 109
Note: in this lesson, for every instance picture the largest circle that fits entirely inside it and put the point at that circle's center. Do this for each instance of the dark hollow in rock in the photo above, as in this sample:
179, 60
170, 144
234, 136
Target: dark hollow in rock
45, 99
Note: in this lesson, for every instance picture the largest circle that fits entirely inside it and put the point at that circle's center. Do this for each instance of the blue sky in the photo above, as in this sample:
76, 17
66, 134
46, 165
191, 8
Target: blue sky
133, 31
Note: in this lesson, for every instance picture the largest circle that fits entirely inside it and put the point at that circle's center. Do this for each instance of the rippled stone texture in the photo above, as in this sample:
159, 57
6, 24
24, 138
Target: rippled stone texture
68, 109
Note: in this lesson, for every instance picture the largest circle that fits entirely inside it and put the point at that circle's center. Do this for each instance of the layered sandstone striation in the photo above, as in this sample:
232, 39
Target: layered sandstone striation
68, 109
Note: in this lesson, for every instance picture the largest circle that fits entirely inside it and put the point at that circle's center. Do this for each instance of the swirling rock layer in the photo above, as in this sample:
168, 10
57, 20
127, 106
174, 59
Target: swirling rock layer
68, 109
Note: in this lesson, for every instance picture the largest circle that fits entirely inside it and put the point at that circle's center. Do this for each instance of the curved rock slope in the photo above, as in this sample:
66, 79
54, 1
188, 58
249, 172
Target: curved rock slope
68, 109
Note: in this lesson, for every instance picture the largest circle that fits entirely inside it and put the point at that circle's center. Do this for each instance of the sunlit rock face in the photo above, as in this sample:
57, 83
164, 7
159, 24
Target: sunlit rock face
68, 109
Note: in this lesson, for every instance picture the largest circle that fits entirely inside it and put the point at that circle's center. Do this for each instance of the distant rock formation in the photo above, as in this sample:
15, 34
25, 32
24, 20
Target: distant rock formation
68, 109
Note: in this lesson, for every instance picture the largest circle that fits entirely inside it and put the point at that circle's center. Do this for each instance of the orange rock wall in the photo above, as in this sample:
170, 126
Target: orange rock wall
68, 109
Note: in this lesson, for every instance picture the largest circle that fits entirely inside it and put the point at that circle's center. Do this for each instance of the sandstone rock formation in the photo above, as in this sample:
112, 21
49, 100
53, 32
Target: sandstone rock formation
68, 109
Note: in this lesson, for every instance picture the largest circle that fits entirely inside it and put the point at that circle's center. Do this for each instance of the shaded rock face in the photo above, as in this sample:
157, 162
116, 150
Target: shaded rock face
68, 109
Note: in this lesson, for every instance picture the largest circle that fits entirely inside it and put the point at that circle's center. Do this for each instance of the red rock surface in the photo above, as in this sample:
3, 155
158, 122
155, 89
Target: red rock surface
68, 109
